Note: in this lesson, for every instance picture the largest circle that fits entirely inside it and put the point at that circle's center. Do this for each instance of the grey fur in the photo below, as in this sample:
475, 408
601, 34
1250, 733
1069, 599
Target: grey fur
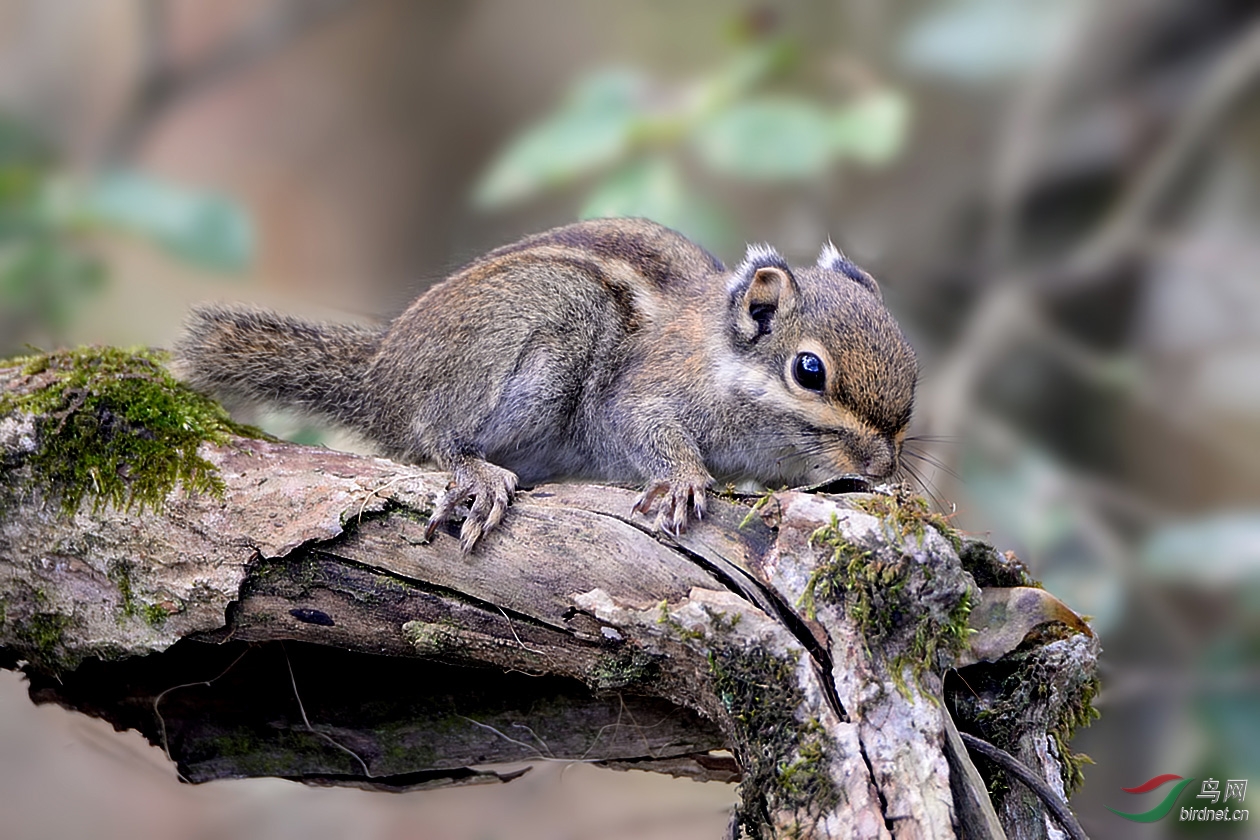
613, 350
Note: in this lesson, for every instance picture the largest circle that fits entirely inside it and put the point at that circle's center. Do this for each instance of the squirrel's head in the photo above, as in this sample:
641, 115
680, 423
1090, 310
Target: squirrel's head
834, 371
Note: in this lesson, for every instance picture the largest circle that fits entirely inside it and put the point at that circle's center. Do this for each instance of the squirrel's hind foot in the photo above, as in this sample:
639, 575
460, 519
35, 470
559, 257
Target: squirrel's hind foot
489, 487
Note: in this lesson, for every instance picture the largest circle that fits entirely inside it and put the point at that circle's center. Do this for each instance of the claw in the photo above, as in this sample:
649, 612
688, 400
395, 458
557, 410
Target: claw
679, 498
491, 490
444, 508
469, 534
502, 496
643, 504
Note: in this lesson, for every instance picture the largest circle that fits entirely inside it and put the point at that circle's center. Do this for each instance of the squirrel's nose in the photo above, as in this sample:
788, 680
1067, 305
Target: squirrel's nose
880, 459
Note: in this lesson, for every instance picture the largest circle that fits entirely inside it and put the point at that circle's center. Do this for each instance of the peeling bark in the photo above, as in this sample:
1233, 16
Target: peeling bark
299, 626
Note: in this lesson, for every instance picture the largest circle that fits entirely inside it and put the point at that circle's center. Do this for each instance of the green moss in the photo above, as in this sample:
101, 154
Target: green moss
628, 666
761, 502
807, 773
880, 592
292, 577
34, 630
1007, 698
43, 632
432, 638
991, 568
785, 763
116, 427
232, 744
390, 509
403, 749
154, 615
909, 515
35, 627
931, 639
667, 619
1079, 713
302, 573
280, 752
831, 579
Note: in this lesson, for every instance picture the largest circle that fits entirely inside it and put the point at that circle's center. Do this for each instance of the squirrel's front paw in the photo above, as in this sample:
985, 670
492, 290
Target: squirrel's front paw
491, 490
678, 496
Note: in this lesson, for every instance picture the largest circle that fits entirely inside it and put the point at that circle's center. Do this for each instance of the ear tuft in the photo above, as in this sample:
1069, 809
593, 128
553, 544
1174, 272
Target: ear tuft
758, 256
832, 259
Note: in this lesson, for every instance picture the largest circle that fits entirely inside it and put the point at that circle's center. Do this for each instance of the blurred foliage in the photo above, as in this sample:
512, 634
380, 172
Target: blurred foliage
203, 228
1227, 710
48, 271
1222, 549
986, 41
1038, 506
1206, 556
45, 272
634, 135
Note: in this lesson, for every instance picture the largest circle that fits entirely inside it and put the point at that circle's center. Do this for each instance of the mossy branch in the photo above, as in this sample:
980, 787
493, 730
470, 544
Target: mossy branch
260, 608
114, 427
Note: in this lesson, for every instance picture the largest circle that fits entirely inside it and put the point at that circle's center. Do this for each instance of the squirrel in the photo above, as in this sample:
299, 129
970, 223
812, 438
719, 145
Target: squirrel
610, 349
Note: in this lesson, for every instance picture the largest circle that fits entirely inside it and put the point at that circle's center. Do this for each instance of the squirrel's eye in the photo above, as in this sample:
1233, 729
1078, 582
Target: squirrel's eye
809, 372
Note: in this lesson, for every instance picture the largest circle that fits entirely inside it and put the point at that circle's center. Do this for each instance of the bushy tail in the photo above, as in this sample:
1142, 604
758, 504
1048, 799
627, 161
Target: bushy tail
253, 356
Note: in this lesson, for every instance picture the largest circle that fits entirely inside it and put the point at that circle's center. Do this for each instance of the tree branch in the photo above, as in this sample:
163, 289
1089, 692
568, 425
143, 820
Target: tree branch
298, 625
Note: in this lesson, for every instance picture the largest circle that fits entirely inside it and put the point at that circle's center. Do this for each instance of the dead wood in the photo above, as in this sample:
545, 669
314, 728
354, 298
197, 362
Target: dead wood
297, 624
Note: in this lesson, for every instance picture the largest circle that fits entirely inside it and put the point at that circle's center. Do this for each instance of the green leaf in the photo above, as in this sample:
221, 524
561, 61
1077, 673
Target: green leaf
750, 67
649, 188
768, 139
975, 41
592, 129
202, 227
872, 130
652, 189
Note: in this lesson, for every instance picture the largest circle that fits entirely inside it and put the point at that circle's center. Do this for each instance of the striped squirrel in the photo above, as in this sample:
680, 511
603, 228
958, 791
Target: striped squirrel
611, 349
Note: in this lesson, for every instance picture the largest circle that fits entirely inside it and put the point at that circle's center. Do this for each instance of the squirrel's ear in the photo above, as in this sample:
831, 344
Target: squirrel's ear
831, 259
761, 288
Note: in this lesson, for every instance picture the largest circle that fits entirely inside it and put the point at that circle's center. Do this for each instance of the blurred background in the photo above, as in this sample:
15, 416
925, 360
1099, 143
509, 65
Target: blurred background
1060, 199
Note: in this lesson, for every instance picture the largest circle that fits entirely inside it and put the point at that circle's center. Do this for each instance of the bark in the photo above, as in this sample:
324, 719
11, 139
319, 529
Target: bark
298, 625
